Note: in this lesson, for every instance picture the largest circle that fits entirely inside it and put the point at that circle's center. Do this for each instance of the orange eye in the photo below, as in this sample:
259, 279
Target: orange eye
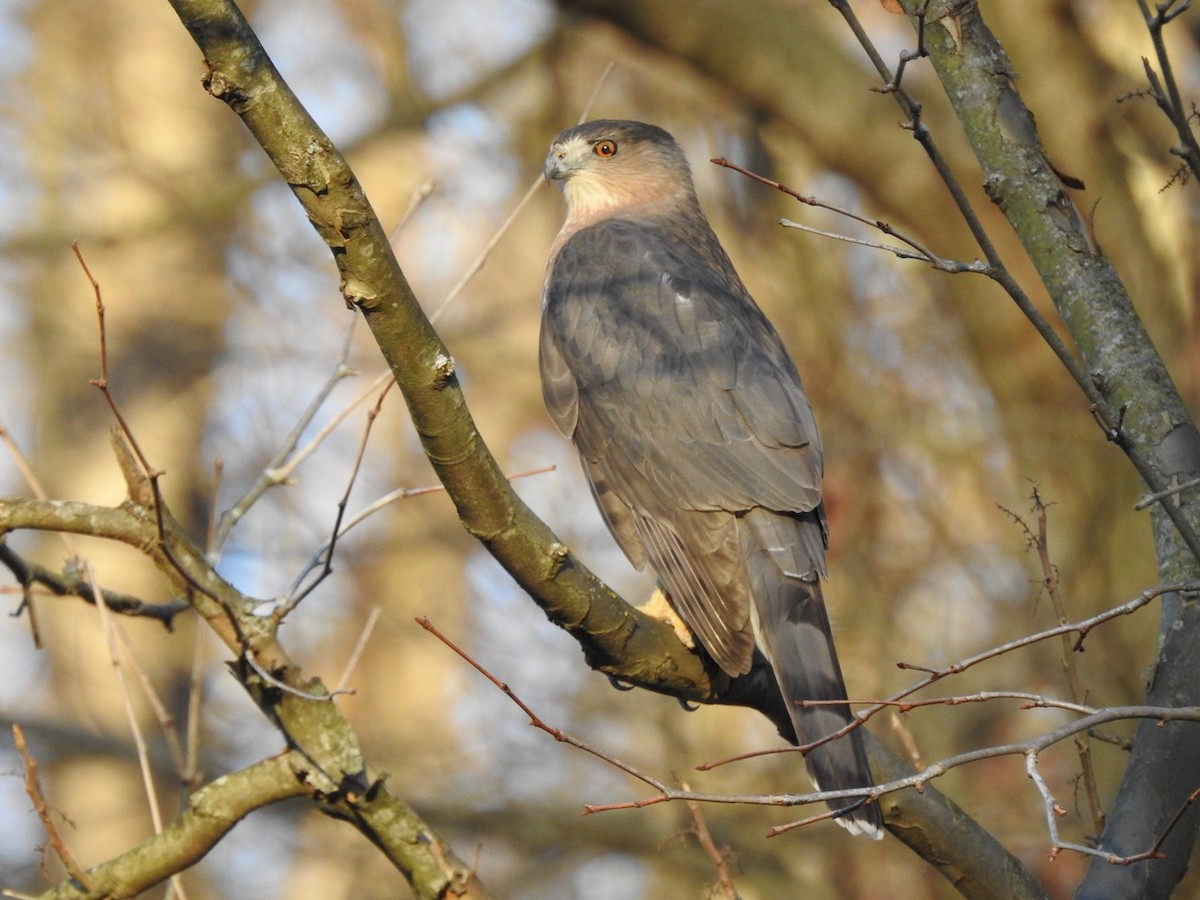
605, 149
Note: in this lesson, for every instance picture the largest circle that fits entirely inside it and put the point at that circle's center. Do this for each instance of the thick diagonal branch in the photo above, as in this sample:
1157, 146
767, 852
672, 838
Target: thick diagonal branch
212, 811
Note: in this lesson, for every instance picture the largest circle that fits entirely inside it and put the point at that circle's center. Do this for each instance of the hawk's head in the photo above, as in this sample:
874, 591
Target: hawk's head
609, 167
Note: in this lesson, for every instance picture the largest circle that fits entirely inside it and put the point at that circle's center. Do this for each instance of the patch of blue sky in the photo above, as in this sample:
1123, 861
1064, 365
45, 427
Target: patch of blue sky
18, 194
15, 391
277, 255
512, 638
282, 345
313, 48
961, 599
236, 732
471, 162
21, 834
18, 191
623, 877
900, 333
255, 858
563, 500
23, 669
16, 50
470, 153
455, 43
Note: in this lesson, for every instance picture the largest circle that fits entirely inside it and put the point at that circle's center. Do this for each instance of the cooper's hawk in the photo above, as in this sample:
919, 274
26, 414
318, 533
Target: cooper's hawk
692, 425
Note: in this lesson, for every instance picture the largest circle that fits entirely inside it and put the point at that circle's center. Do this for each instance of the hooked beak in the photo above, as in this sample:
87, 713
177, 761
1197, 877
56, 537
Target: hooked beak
557, 167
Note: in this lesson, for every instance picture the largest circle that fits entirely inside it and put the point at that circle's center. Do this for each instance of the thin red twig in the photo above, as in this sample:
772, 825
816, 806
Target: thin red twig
33, 788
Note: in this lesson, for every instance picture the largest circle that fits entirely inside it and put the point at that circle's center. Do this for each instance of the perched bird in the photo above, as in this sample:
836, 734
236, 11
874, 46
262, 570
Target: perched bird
693, 427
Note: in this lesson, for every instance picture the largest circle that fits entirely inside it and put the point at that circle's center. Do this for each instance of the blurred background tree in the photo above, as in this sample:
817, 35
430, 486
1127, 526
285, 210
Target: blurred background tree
938, 406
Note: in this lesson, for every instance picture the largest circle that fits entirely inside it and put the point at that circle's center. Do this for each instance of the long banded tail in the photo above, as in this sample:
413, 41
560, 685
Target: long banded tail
792, 630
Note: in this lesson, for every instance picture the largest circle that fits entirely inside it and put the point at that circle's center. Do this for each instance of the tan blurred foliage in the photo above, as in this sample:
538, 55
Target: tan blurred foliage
938, 405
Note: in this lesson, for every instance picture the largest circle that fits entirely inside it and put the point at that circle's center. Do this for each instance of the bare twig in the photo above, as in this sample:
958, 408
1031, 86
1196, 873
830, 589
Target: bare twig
191, 768
912, 753
1032, 746
1151, 499
934, 770
102, 381
33, 788
31, 479
1051, 582
1054, 812
918, 252
420, 194
1031, 701
71, 584
1116, 740
666, 793
21, 462
557, 733
359, 646
482, 257
129, 441
286, 459
385, 500
111, 628
211, 812
1153, 852
1081, 628
285, 472
898, 252
274, 682
1039, 541
717, 855
1170, 101
907, 56
210, 532
14, 563
166, 720
299, 593
998, 272
596, 88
